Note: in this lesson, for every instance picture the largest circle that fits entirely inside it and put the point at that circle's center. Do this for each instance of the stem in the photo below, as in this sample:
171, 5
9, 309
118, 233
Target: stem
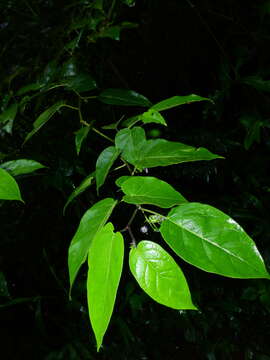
133, 240
71, 107
150, 211
119, 167
103, 135
111, 9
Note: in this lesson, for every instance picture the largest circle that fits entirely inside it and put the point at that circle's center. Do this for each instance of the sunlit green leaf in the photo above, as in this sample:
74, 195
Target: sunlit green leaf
159, 276
150, 190
104, 163
209, 239
9, 189
92, 221
153, 116
105, 261
122, 179
21, 166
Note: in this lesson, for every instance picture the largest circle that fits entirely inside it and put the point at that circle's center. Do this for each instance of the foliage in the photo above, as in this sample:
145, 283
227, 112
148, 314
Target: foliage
70, 105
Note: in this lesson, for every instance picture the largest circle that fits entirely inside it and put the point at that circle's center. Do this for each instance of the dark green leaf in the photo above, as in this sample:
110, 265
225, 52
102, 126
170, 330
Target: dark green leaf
44, 118
80, 189
104, 163
105, 261
123, 97
8, 116
159, 276
9, 189
80, 136
28, 88
257, 83
176, 101
150, 190
3, 286
80, 82
21, 166
92, 221
209, 239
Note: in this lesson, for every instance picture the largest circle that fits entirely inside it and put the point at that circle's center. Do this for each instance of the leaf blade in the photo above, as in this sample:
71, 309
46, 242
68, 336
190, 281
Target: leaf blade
104, 162
210, 240
177, 101
123, 97
105, 267
92, 221
9, 189
159, 276
150, 190
21, 166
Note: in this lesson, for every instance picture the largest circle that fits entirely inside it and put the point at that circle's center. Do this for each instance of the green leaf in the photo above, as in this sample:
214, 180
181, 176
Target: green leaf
3, 286
8, 116
44, 118
153, 116
9, 189
159, 276
210, 240
254, 134
28, 88
161, 152
177, 101
123, 97
129, 122
122, 179
21, 166
92, 221
104, 163
105, 267
131, 143
81, 82
80, 136
80, 189
257, 83
150, 190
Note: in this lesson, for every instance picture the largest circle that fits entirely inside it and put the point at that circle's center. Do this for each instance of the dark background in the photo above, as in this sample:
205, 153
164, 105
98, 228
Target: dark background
211, 48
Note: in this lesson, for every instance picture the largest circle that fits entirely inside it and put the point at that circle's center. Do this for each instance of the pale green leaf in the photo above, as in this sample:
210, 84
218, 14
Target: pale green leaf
105, 261
212, 241
153, 116
92, 221
150, 190
159, 276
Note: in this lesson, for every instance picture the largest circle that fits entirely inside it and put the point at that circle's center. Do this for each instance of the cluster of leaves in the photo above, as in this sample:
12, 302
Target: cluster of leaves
200, 234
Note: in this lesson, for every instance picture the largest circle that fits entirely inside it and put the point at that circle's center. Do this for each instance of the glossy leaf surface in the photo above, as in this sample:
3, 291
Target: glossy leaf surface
123, 97
209, 239
9, 189
161, 152
131, 143
104, 163
177, 101
105, 261
21, 166
92, 221
80, 136
150, 190
159, 275
80, 189
44, 118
